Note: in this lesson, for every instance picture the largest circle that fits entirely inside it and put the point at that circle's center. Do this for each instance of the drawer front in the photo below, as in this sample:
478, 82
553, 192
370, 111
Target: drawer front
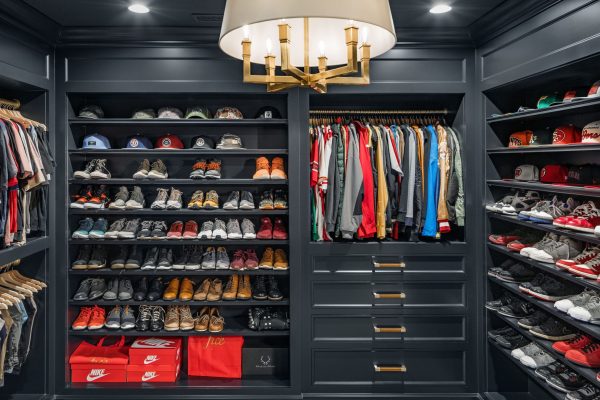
387, 264
327, 330
393, 294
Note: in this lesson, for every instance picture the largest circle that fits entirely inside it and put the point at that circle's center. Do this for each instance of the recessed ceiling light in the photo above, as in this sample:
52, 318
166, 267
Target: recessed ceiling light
440, 9
138, 8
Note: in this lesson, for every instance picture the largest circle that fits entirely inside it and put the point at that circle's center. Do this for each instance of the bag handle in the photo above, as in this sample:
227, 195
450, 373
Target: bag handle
120, 343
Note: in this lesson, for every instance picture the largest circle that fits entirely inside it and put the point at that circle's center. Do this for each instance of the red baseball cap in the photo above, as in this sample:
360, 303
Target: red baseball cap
553, 173
168, 141
566, 135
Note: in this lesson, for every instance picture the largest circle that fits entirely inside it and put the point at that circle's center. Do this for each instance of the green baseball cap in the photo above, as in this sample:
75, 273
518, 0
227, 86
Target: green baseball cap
546, 101
198, 112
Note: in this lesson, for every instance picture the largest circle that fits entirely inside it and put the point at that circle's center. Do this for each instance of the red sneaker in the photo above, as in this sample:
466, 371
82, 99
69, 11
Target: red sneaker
81, 198
83, 319
279, 232
586, 255
97, 319
99, 198
251, 259
503, 240
589, 269
589, 356
238, 261
518, 245
190, 231
585, 224
266, 229
577, 343
176, 230
581, 211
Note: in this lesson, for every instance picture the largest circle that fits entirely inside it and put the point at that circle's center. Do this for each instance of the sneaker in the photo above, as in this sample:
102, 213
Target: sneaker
181, 258
100, 171
280, 202
232, 202
279, 231
195, 260
551, 369
198, 169
98, 258
589, 269
588, 312
273, 291
497, 206
537, 360
159, 230
526, 287
119, 261
504, 300
115, 228
99, 198
175, 200
577, 300
567, 381
176, 230
125, 290
142, 323
526, 241
554, 210
206, 232
238, 262
158, 170
165, 259
213, 170
589, 252
134, 261
131, 229
516, 309
112, 290
119, 200
553, 290
197, 200
82, 320
525, 215
516, 273
576, 343
496, 333
281, 261
209, 258
259, 290
248, 231
143, 170
589, 356
160, 203
141, 289
85, 174
81, 199
222, 258
83, 231
585, 223
233, 229
267, 201
266, 261
113, 320
151, 259
136, 199
553, 329
202, 319
564, 248
186, 321
145, 231
216, 321
587, 392
172, 319
250, 260
97, 319
158, 319
262, 169
219, 229
277, 169
246, 200
527, 350
582, 210
266, 229
156, 289
522, 203
512, 341
127, 318
211, 201
533, 320
527, 251
190, 230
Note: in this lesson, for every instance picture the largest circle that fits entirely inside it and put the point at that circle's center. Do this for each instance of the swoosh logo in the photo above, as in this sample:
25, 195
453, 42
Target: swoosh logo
92, 378
147, 377
150, 360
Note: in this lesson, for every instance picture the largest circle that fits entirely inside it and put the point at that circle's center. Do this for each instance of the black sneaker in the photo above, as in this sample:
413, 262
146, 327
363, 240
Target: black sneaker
98, 258
246, 200
516, 309
131, 228
587, 392
157, 322
141, 290
553, 329
112, 289
516, 273
165, 259
125, 290
119, 261
525, 287
155, 290
535, 319
159, 230
195, 259
567, 381
145, 231
259, 291
142, 323
513, 341
181, 258
134, 261
552, 369
97, 289
83, 291
151, 259
273, 292
553, 290
507, 330
83, 257
504, 300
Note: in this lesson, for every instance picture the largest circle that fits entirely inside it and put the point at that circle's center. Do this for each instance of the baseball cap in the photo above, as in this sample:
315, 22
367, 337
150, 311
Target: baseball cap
91, 111
593, 92
519, 139
138, 142
203, 142
146, 113
566, 135
229, 141
580, 175
169, 141
170, 113
546, 101
96, 141
527, 172
553, 173
567, 98
198, 112
268, 112
228, 113
540, 137
591, 133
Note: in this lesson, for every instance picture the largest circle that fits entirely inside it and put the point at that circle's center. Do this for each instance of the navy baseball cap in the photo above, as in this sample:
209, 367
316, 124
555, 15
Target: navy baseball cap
139, 142
96, 141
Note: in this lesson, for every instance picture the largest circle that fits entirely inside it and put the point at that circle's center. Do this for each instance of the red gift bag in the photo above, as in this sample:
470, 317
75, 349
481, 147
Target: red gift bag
87, 353
215, 356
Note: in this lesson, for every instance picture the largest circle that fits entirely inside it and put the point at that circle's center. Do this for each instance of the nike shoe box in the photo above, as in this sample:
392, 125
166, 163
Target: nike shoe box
262, 360
153, 373
96, 373
155, 351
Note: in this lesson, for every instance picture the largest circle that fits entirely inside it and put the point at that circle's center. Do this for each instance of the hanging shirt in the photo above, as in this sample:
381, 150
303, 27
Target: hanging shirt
430, 226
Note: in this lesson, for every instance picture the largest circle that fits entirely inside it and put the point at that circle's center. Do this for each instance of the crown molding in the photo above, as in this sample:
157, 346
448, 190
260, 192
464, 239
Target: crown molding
20, 16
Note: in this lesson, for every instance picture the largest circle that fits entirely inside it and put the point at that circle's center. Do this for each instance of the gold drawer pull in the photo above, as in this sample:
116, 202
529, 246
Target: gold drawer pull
389, 329
389, 295
389, 368
389, 265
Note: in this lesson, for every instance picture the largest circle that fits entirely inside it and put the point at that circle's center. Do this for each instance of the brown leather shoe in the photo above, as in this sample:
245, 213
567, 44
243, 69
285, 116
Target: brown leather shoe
266, 261
172, 290
244, 289
202, 320
216, 321
281, 261
187, 289
216, 290
186, 321
202, 290
231, 288
172, 319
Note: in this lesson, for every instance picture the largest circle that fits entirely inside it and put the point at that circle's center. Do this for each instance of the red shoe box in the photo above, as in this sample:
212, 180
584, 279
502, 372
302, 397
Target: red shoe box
153, 373
155, 351
98, 373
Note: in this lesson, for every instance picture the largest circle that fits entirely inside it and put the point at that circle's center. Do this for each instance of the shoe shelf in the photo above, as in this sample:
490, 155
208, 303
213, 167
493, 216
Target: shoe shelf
185, 382
548, 306
176, 272
556, 394
183, 212
178, 333
578, 147
166, 242
180, 153
175, 182
545, 187
15, 252
191, 303
547, 268
587, 373
585, 237
573, 108
177, 122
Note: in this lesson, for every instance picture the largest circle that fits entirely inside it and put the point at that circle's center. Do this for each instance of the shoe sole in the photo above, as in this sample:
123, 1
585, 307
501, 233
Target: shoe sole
154, 175
583, 274
559, 388
76, 235
281, 268
95, 327
554, 338
93, 206
80, 176
505, 314
139, 175
547, 298
580, 229
95, 175
126, 235
135, 207
276, 298
228, 207
525, 326
76, 205
249, 236
96, 236
113, 207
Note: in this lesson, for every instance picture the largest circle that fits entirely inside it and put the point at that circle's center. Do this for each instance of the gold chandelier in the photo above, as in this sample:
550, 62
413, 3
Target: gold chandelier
322, 26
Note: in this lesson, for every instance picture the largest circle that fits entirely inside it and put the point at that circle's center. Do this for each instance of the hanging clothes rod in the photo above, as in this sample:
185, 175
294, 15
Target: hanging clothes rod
380, 112
10, 104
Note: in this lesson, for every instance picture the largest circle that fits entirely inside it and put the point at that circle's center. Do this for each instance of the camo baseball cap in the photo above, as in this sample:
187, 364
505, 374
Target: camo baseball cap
146, 113
170, 113
229, 141
229, 113
198, 112
92, 112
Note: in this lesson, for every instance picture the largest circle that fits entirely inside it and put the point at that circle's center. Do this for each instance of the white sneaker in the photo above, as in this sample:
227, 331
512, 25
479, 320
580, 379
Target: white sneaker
526, 350
220, 230
206, 232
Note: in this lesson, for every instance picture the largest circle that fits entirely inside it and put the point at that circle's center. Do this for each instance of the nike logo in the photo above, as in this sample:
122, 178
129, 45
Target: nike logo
96, 374
150, 360
148, 376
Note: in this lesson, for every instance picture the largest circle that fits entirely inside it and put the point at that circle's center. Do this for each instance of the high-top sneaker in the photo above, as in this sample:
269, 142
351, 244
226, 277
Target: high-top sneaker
99, 198
143, 170
564, 248
580, 211
100, 170
160, 203
120, 199
158, 170
555, 210
85, 173
175, 201
590, 251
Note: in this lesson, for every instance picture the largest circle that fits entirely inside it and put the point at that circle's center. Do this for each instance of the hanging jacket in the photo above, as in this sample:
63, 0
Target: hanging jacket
353, 184
444, 169
368, 227
333, 190
456, 195
430, 226
382, 192
341, 167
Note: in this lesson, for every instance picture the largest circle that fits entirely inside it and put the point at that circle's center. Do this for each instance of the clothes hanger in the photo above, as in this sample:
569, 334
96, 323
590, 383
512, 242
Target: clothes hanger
15, 273
27, 285
17, 288
11, 294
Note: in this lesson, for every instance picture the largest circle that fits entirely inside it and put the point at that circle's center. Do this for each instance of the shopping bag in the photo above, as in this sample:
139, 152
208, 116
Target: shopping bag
215, 356
87, 353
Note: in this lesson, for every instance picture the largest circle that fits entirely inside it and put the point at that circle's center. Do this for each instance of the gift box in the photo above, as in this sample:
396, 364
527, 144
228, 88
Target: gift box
153, 373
